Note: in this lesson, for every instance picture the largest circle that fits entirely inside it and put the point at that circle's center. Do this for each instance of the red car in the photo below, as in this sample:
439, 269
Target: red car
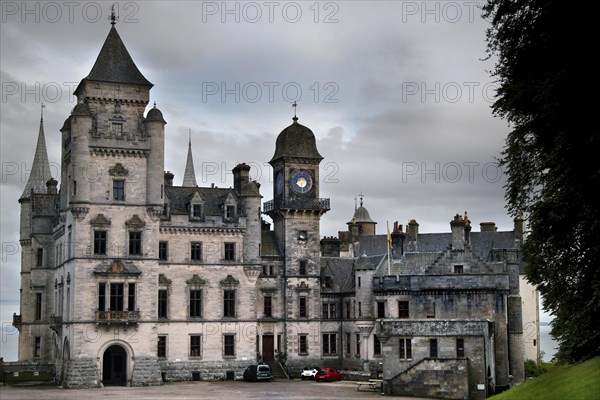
328, 375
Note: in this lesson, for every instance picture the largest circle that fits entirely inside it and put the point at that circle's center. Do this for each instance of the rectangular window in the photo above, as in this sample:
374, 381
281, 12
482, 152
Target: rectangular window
430, 309
329, 311
74, 188
348, 310
460, 348
38, 306
230, 212
359, 309
229, 251
348, 344
229, 345
161, 350
303, 345
405, 349
119, 189
358, 344
376, 346
403, 311
40, 257
135, 243
162, 304
116, 297
197, 210
117, 130
380, 309
131, 297
195, 303
229, 303
329, 344
37, 349
358, 281
196, 251
328, 283
302, 312
102, 296
99, 242
195, 346
163, 251
268, 306
458, 269
433, 348
302, 267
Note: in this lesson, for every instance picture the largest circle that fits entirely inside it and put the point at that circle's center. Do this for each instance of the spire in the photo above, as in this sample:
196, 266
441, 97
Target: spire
189, 176
40, 168
114, 64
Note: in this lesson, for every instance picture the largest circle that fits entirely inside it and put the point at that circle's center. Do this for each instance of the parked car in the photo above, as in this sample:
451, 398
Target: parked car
309, 373
328, 375
258, 372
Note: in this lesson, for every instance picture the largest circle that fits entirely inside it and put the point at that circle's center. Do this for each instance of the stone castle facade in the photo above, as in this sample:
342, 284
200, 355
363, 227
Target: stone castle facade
129, 279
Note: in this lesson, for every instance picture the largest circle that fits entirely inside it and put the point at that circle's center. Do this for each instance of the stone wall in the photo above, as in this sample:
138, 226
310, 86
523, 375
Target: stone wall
82, 373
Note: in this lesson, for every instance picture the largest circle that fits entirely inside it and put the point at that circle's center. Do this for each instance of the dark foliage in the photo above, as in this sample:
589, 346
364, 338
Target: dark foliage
550, 159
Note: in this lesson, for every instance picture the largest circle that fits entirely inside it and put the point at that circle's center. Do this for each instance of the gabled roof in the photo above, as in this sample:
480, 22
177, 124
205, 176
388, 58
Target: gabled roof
340, 270
114, 64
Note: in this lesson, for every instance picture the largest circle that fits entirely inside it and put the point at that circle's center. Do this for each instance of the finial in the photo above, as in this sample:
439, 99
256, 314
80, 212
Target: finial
190, 136
355, 205
361, 198
113, 17
42, 113
294, 104
154, 104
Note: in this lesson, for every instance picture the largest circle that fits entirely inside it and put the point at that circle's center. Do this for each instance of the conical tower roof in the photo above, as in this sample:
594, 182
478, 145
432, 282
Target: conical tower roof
40, 168
189, 176
114, 64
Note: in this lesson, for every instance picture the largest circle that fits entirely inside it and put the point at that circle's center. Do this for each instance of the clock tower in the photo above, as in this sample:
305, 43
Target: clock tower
296, 211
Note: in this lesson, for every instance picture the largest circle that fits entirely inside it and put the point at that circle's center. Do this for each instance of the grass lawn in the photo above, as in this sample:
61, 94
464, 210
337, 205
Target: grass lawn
564, 382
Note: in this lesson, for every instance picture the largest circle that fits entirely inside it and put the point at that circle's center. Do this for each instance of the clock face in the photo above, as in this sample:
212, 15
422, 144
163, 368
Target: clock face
302, 181
279, 183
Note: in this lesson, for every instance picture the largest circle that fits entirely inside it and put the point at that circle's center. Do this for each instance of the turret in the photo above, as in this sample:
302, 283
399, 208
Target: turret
154, 126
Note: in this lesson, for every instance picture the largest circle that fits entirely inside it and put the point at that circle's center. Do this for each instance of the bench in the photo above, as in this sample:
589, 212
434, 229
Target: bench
373, 385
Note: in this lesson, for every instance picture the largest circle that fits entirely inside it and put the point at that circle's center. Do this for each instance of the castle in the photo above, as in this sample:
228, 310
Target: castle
128, 279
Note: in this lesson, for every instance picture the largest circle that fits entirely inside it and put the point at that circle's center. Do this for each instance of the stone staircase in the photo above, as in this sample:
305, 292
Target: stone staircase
278, 372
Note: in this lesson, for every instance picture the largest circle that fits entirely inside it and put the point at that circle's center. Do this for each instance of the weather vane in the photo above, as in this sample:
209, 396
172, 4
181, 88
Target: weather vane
294, 104
113, 17
361, 198
43, 106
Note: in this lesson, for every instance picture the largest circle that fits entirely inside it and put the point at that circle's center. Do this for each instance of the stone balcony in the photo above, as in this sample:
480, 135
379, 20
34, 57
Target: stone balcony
117, 318
308, 204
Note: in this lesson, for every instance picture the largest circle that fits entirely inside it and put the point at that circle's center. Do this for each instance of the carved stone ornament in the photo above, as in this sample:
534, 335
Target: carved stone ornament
229, 282
117, 267
118, 170
195, 281
135, 221
100, 219
163, 280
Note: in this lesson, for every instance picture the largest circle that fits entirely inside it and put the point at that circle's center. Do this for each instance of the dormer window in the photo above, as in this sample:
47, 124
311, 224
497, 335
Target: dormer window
117, 130
197, 210
230, 212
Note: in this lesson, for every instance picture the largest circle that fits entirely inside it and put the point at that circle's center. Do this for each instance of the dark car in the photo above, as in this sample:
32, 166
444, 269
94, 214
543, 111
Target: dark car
328, 375
258, 372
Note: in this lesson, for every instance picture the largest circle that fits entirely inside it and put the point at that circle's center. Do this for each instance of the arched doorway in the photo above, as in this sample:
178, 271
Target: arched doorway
114, 366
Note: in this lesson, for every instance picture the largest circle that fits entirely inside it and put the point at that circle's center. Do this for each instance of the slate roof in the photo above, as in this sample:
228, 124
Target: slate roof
362, 215
40, 167
114, 64
213, 198
269, 245
340, 271
296, 141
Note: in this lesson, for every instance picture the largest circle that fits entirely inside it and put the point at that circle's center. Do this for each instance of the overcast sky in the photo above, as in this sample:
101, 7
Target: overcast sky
398, 94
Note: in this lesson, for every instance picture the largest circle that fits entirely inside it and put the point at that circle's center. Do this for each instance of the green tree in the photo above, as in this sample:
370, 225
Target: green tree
549, 157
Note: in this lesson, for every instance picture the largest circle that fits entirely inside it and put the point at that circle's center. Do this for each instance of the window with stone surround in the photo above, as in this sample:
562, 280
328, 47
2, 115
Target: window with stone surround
196, 346
40, 257
100, 238
163, 250
433, 348
229, 251
302, 310
116, 297
460, 347
229, 303
197, 210
196, 251
458, 269
329, 344
38, 306
348, 343
229, 345
405, 349
329, 310
37, 347
135, 243
119, 189
357, 335
403, 310
268, 306
381, 309
303, 344
161, 349
195, 303
131, 296
302, 270
376, 346
163, 303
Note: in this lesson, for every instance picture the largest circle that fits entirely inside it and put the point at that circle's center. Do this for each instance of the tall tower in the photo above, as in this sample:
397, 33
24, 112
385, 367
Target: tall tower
296, 212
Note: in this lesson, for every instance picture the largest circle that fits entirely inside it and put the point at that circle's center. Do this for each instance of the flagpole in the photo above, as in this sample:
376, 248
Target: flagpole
388, 249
